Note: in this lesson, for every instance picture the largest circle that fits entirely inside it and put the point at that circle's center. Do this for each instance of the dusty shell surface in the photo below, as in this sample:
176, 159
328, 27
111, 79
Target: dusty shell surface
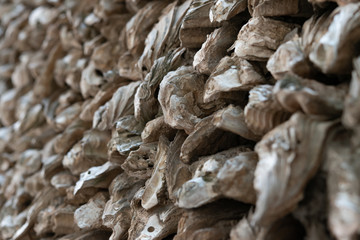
232, 74
179, 96
260, 37
283, 151
146, 105
232, 119
195, 223
179, 119
342, 182
214, 48
309, 96
88, 216
196, 24
224, 10
205, 132
155, 186
330, 51
289, 59
214, 175
351, 117
299, 8
263, 112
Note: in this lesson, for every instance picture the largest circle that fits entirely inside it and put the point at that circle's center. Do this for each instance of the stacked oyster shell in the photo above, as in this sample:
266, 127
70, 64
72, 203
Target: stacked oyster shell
134, 119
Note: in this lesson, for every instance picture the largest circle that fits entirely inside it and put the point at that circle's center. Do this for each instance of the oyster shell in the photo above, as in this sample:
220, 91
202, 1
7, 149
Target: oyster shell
224, 10
329, 51
309, 96
134, 119
232, 74
342, 184
298, 8
263, 112
260, 37
179, 95
285, 166
214, 48
232, 119
164, 35
196, 24
351, 117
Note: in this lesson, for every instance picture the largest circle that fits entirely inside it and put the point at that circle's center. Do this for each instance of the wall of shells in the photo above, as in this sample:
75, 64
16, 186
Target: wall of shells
184, 120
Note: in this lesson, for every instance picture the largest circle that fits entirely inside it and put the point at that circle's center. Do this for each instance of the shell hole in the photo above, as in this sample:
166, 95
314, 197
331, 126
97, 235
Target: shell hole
151, 229
99, 73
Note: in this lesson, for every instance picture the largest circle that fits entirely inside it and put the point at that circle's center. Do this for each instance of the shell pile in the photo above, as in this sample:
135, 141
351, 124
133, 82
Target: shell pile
184, 120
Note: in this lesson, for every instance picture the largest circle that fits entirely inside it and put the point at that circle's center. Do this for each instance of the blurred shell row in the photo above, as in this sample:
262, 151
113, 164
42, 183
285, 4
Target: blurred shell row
184, 120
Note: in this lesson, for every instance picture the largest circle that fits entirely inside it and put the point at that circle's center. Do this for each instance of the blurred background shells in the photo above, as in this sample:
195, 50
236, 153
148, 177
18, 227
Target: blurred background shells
184, 120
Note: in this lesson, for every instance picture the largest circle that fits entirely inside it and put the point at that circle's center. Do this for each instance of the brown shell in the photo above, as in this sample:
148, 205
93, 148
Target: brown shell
263, 112
89, 151
298, 8
232, 119
214, 48
207, 139
329, 51
121, 104
195, 223
224, 10
164, 35
232, 74
155, 187
116, 214
196, 24
146, 105
139, 26
179, 95
213, 178
342, 183
97, 177
155, 128
140, 162
289, 156
289, 58
313, 98
351, 116
136, 119
260, 37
